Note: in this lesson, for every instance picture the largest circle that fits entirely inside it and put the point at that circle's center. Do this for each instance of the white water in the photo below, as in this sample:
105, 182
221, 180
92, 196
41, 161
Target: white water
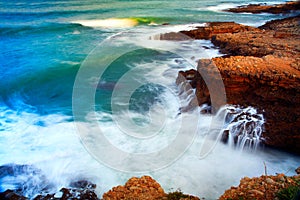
245, 127
56, 150
51, 143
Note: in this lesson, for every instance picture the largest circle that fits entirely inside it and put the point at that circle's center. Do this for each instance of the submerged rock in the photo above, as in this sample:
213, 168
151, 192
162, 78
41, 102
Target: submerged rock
64, 194
27, 181
79, 190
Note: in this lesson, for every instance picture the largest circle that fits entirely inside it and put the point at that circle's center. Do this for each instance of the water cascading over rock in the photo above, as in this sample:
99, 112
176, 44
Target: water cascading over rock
244, 127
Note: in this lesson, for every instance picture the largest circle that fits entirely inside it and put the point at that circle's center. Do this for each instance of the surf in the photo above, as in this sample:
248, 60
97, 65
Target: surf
109, 23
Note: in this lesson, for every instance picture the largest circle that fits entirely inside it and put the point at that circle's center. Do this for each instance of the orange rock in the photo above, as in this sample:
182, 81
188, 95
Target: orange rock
260, 8
136, 188
259, 188
263, 71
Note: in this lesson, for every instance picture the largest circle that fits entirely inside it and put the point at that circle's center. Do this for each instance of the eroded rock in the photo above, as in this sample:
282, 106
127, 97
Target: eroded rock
261, 188
136, 188
263, 8
262, 70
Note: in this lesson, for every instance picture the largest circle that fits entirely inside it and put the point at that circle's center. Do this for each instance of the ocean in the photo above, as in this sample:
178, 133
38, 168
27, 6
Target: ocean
87, 92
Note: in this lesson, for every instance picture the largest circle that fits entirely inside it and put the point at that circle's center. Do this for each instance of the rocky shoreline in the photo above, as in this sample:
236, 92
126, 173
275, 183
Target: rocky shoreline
264, 8
261, 69
265, 187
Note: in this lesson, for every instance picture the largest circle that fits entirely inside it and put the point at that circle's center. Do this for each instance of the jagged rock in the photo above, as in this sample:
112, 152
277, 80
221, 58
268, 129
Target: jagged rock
263, 8
66, 193
11, 195
260, 188
279, 38
144, 188
136, 188
82, 184
288, 26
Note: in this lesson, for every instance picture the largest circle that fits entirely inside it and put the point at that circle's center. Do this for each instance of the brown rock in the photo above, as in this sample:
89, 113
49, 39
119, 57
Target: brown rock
215, 28
262, 69
11, 195
259, 188
298, 170
144, 188
136, 188
276, 93
278, 37
263, 8
207, 32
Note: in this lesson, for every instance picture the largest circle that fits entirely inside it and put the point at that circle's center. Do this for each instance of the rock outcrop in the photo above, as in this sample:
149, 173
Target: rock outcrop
136, 188
79, 190
279, 38
11, 195
263, 8
265, 187
144, 188
215, 28
261, 69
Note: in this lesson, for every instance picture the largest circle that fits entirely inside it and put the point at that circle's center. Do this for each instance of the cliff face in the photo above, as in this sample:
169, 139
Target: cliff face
261, 69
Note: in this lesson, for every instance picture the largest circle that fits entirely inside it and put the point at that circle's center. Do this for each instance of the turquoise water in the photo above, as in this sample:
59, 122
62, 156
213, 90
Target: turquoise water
40, 44
44, 44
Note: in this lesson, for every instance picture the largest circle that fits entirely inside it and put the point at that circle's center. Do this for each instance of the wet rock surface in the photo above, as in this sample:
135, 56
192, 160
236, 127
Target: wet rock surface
11, 195
79, 190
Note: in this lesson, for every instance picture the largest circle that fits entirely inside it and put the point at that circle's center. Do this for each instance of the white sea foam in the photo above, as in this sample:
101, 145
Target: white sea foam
51, 143
56, 150
220, 7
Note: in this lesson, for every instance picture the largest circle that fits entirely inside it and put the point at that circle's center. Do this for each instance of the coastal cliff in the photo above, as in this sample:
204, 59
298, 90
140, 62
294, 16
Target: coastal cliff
261, 69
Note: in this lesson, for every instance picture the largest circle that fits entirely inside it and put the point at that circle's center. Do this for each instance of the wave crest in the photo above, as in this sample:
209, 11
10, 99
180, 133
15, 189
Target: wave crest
109, 23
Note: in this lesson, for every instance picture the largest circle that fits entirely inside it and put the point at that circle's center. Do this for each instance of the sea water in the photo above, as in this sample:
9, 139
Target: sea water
88, 92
